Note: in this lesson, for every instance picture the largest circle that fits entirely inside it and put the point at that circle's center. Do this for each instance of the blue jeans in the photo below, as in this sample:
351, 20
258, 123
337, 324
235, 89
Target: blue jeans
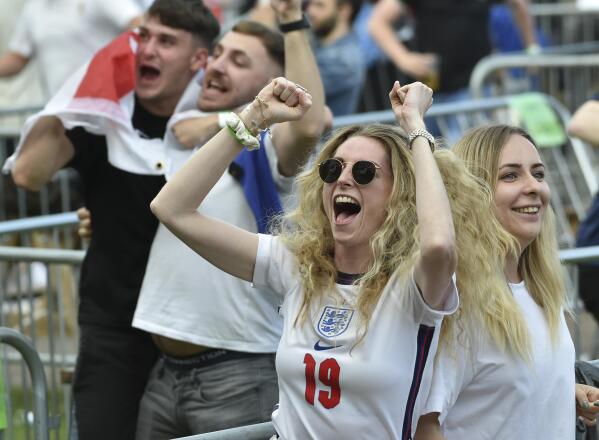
181, 401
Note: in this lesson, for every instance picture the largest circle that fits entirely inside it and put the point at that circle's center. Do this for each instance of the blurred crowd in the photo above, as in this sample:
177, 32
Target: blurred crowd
43, 41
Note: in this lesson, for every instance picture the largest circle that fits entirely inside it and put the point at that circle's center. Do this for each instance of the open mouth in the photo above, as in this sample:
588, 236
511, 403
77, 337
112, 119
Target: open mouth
148, 73
216, 85
346, 209
527, 210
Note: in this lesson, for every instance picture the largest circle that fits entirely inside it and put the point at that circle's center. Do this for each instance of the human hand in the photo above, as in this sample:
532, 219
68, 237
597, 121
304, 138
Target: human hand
586, 398
418, 65
280, 101
85, 223
410, 103
287, 10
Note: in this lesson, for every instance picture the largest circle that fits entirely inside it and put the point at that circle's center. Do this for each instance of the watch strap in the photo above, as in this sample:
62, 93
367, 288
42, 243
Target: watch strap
295, 25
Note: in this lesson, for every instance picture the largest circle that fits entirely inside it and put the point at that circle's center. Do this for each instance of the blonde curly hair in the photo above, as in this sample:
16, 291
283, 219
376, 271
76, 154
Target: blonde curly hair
395, 246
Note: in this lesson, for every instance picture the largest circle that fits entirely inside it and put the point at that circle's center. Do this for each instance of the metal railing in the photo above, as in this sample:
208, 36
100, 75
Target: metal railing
259, 431
566, 22
570, 78
38, 378
43, 307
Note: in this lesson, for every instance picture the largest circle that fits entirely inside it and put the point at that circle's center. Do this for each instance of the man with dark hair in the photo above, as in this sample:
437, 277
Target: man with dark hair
337, 49
121, 172
217, 335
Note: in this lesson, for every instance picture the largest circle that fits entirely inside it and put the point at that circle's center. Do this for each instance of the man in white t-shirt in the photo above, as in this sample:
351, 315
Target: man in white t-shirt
217, 336
22, 89
62, 34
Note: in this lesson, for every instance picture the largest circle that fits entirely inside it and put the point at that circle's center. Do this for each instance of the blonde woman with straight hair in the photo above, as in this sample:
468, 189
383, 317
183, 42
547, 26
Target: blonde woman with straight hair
505, 367
364, 266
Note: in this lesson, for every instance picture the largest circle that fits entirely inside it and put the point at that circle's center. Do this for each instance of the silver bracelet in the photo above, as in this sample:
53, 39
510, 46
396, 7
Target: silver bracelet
425, 134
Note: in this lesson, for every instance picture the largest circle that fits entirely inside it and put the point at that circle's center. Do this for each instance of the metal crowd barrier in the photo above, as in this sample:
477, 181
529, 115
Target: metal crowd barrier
259, 431
570, 78
38, 378
566, 22
38, 297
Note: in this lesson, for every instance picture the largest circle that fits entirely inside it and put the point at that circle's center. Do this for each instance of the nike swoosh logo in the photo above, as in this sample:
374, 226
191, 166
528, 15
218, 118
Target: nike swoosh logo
319, 347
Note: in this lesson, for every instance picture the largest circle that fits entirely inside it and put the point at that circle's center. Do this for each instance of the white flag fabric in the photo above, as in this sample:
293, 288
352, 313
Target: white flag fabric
99, 97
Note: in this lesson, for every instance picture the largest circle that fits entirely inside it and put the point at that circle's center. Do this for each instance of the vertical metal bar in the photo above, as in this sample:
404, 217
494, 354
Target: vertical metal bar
32, 359
53, 404
7, 388
3, 155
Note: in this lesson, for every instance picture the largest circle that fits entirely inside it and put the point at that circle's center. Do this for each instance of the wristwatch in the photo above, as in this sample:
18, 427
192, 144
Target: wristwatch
425, 134
295, 25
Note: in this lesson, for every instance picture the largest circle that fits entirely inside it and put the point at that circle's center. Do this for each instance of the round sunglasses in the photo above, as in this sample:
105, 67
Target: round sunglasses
362, 171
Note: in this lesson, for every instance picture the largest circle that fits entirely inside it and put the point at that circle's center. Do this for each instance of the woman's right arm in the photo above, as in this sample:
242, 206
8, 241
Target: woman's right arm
228, 247
438, 257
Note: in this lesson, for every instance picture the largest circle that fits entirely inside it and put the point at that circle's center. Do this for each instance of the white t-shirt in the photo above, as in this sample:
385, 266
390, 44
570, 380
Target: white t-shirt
482, 394
23, 89
186, 298
330, 388
64, 34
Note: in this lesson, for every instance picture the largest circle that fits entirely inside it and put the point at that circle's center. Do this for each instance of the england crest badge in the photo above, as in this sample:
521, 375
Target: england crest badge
334, 321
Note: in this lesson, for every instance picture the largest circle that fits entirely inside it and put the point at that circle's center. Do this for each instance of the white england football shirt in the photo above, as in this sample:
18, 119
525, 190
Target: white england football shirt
483, 394
329, 387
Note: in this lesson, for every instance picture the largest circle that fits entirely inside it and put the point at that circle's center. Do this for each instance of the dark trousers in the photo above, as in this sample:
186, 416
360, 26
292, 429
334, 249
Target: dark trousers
588, 288
112, 369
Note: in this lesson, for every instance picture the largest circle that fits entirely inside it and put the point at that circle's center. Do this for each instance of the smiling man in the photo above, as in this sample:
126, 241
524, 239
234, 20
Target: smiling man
114, 359
218, 335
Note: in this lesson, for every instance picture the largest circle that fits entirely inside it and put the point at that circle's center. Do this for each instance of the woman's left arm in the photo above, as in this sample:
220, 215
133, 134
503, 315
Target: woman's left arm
438, 257
586, 398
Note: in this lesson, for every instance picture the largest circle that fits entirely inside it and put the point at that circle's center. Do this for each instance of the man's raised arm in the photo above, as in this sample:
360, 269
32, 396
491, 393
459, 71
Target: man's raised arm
294, 140
523, 19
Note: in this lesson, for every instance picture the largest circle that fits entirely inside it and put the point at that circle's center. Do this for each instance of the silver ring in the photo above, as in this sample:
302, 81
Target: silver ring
301, 87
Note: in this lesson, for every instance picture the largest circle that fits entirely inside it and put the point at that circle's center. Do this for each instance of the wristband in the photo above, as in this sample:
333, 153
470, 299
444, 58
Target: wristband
295, 25
240, 132
425, 134
222, 119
